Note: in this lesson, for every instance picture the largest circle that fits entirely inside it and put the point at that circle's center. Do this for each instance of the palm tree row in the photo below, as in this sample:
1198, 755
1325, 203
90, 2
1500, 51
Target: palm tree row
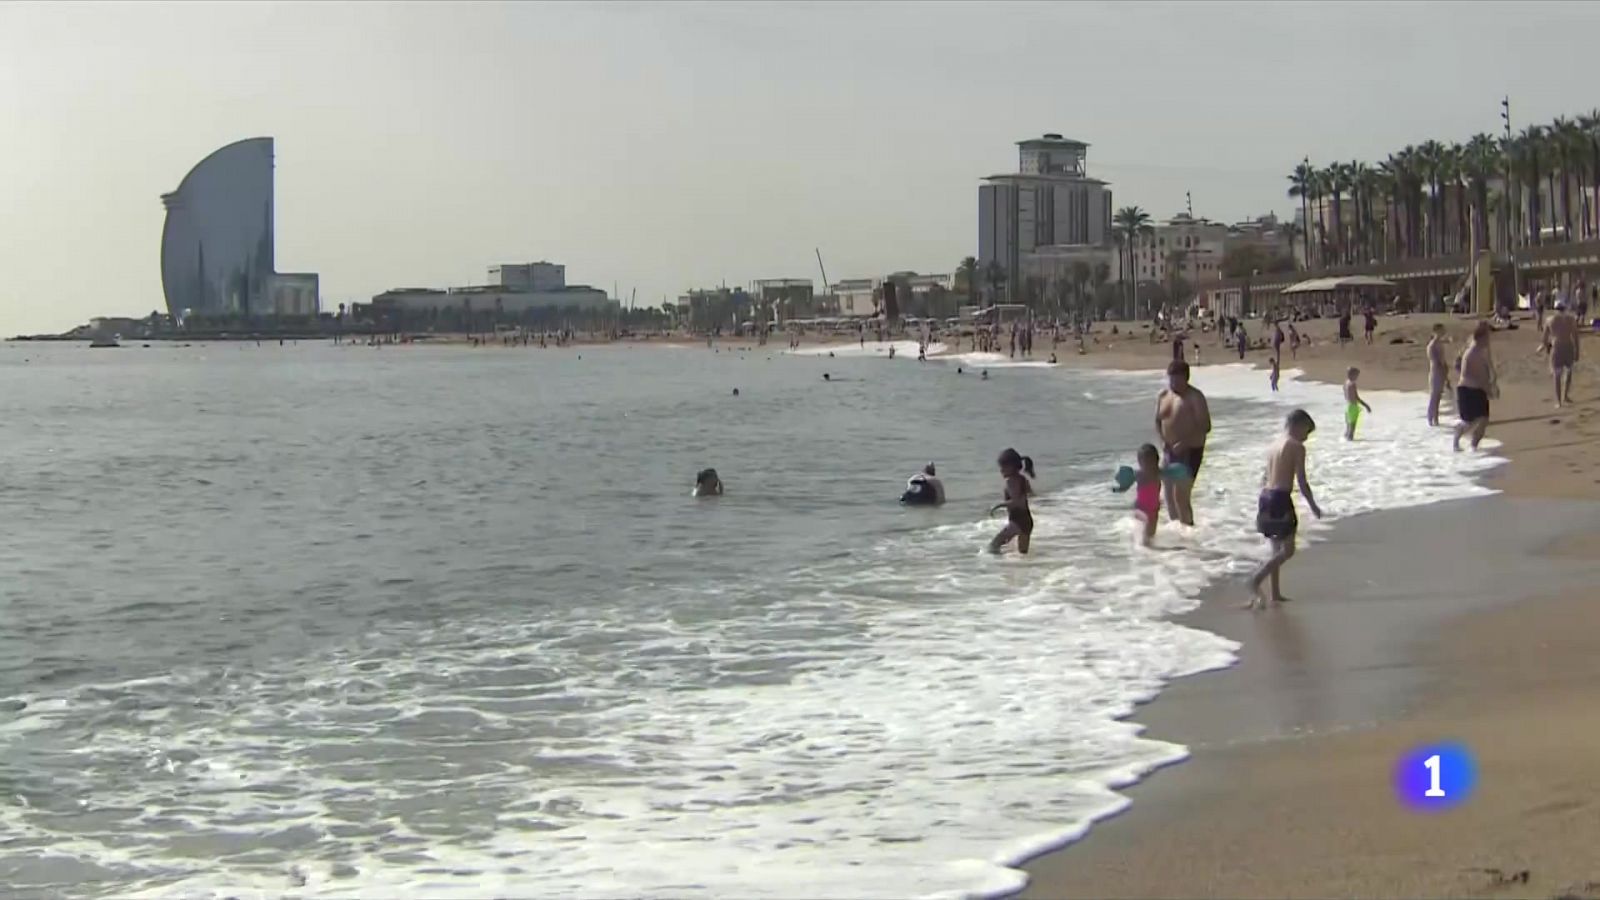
1437, 199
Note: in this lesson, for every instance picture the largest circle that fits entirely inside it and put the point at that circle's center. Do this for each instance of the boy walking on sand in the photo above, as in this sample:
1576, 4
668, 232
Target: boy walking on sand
1353, 404
1275, 515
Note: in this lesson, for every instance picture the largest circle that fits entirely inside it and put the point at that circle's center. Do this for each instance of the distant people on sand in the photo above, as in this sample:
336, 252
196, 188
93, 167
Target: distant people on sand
924, 488
1353, 404
1369, 323
1475, 384
1438, 372
1016, 469
1183, 420
1275, 515
707, 484
1561, 341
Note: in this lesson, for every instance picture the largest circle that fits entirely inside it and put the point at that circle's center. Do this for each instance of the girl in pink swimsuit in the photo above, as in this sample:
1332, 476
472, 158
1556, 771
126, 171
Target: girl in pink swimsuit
1146, 484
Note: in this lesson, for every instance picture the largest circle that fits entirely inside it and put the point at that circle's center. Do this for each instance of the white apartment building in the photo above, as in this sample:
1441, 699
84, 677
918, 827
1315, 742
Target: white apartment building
1050, 201
1198, 243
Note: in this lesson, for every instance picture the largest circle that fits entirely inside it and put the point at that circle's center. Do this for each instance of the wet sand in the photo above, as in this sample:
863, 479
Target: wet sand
1470, 620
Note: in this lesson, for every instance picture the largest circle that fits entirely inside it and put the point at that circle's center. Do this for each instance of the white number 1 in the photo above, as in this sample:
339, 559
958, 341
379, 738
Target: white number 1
1432, 764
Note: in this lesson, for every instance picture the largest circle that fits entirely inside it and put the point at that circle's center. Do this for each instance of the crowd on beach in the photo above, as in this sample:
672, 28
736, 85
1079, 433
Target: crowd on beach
1165, 470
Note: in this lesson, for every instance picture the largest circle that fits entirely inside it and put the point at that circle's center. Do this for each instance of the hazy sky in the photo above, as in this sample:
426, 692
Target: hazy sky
667, 146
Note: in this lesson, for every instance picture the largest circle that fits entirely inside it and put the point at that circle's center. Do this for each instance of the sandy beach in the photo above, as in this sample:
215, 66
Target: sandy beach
1471, 620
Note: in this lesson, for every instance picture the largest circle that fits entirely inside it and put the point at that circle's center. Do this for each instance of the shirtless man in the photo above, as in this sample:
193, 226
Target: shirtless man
1474, 384
1275, 516
1438, 372
1561, 338
1182, 421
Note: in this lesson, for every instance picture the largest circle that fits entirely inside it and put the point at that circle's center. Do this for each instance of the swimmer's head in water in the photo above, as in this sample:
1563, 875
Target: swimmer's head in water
1300, 424
826, 377
1011, 462
706, 477
736, 392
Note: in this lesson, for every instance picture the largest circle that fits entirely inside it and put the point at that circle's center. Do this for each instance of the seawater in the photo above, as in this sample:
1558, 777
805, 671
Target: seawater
437, 622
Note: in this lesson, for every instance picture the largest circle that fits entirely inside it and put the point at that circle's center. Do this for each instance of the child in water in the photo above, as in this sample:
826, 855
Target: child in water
1353, 404
1148, 478
1272, 377
1016, 469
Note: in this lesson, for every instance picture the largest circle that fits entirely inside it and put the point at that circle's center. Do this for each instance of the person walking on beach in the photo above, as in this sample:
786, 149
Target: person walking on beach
1016, 469
1183, 420
1294, 342
1438, 372
1370, 325
1475, 383
1242, 340
1344, 327
1272, 374
1353, 404
1275, 515
1561, 339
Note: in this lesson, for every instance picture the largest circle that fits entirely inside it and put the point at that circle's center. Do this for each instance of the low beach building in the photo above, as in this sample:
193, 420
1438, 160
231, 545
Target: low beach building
514, 290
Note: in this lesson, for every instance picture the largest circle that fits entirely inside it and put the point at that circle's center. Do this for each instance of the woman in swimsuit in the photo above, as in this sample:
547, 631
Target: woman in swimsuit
1016, 469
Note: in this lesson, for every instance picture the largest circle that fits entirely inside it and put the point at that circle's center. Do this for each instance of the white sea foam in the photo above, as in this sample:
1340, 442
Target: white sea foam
902, 350
937, 715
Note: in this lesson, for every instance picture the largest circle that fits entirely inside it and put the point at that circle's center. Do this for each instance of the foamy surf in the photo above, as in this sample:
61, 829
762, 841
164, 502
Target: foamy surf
904, 716
902, 350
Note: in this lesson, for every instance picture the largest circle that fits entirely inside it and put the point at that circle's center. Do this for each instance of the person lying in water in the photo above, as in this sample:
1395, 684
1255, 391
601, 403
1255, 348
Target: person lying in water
924, 488
707, 484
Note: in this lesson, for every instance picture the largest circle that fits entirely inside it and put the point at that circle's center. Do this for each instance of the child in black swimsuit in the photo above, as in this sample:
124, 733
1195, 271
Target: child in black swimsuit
1016, 469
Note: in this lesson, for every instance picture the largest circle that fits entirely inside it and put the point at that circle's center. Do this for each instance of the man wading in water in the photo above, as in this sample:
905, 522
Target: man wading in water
1182, 420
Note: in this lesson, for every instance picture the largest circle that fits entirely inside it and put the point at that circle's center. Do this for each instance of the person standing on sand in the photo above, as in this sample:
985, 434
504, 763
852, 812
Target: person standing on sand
1277, 342
1272, 377
1183, 420
1370, 323
1475, 383
1275, 516
1294, 342
1561, 339
1438, 372
1344, 327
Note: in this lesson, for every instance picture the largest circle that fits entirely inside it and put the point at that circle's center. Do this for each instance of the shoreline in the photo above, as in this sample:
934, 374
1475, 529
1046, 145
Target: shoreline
1399, 638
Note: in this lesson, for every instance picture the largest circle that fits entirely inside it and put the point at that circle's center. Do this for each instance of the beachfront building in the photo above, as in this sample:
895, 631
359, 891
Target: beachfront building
296, 294
706, 309
857, 298
534, 276
788, 298
1049, 202
1183, 246
217, 240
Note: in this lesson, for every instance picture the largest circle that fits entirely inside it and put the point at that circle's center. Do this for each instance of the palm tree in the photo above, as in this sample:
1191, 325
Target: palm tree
1589, 125
1102, 274
1301, 183
1529, 145
1479, 160
1565, 136
996, 275
1132, 223
969, 268
1081, 273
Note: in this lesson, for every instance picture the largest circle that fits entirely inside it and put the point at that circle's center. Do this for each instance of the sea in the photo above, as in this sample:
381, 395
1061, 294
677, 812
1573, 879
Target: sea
414, 621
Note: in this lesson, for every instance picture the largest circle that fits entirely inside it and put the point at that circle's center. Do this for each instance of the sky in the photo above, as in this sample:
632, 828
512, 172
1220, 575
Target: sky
659, 147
